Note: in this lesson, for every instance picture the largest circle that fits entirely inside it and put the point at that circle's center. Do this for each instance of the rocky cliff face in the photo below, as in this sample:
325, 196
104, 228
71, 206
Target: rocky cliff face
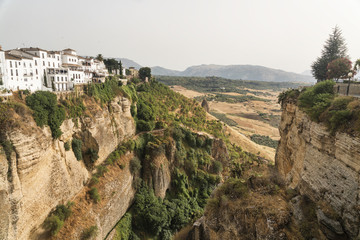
40, 174
323, 167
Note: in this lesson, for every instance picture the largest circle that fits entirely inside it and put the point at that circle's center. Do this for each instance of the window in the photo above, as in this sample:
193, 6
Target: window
58, 64
43, 63
49, 64
58, 79
16, 64
43, 55
36, 72
17, 73
30, 65
10, 63
58, 58
12, 74
24, 64
35, 63
53, 64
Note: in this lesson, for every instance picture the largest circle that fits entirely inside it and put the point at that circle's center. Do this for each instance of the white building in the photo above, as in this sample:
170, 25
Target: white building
37, 69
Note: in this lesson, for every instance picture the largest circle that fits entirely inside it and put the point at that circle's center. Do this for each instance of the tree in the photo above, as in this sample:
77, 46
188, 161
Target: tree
111, 64
334, 48
145, 72
120, 69
338, 68
100, 57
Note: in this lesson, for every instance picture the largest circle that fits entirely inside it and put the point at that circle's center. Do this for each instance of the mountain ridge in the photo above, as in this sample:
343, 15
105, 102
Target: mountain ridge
234, 72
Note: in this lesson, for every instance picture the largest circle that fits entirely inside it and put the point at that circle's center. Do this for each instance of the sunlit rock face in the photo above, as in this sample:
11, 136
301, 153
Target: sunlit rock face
40, 174
321, 166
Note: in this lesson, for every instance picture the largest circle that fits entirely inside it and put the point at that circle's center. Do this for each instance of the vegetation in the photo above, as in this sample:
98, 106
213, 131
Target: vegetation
222, 117
89, 233
339, 68
338, 113
264, 140
104, 92
94, 194
124, 228
334, 48
46, 111
145, 72
230, 99
112, 64
67, 146
55, 220
218, 84
157, 103
76, 145
74, 107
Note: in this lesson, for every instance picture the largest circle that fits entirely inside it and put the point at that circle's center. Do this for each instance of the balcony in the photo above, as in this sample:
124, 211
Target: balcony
28, 74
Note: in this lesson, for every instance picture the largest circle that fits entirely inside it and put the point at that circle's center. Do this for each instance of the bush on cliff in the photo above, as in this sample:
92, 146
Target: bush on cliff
315, 100
55, 220
76, 145
46, 111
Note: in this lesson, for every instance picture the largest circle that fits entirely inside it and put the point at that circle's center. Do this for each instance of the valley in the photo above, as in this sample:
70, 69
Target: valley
252, 115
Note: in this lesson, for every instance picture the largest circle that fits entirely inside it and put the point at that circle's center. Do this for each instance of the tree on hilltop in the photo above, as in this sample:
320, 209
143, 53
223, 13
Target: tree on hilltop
100, 57
338, 68
145, 72
335, 47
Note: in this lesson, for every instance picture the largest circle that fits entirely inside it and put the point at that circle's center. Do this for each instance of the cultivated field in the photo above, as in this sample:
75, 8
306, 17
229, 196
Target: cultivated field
246, 118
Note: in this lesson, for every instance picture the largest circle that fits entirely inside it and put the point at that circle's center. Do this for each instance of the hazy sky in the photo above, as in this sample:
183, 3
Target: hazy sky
282, 34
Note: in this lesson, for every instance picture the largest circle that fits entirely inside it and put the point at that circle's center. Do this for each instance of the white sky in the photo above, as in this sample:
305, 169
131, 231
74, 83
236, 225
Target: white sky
282, 34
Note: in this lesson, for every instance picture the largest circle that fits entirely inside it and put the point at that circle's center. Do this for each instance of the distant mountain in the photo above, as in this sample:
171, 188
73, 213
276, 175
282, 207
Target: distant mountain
164, 71
129, 63
236, 72
307, 73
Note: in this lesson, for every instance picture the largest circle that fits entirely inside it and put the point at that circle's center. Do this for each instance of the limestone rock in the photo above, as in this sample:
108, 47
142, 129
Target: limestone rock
40, 174
323, 167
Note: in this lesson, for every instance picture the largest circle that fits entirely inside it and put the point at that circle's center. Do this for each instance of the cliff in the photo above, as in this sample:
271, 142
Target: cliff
323, 167
41, 174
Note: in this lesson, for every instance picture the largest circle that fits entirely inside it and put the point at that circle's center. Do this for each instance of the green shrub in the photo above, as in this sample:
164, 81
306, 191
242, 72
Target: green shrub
89, 233
101, 170
46, 111
94, 194
123, 228
94, 180
142, 126
338, 119
55, 220
93, 154
53, 224
76, 145
67, 146
217, 166
135, 165
264, 140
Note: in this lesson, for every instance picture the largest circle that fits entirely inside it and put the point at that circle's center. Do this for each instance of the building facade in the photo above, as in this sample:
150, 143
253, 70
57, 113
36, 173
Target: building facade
38, 69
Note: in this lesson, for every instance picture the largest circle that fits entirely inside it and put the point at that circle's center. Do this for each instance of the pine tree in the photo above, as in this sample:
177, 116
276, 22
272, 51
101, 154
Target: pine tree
335, 47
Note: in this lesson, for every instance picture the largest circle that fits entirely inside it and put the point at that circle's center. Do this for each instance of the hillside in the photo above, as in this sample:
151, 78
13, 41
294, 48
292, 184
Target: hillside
236, 72
129, 63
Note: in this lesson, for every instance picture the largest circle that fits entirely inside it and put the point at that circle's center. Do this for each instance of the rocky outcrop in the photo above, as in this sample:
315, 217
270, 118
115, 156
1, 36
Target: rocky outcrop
40, 174
323, 167
156, 172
